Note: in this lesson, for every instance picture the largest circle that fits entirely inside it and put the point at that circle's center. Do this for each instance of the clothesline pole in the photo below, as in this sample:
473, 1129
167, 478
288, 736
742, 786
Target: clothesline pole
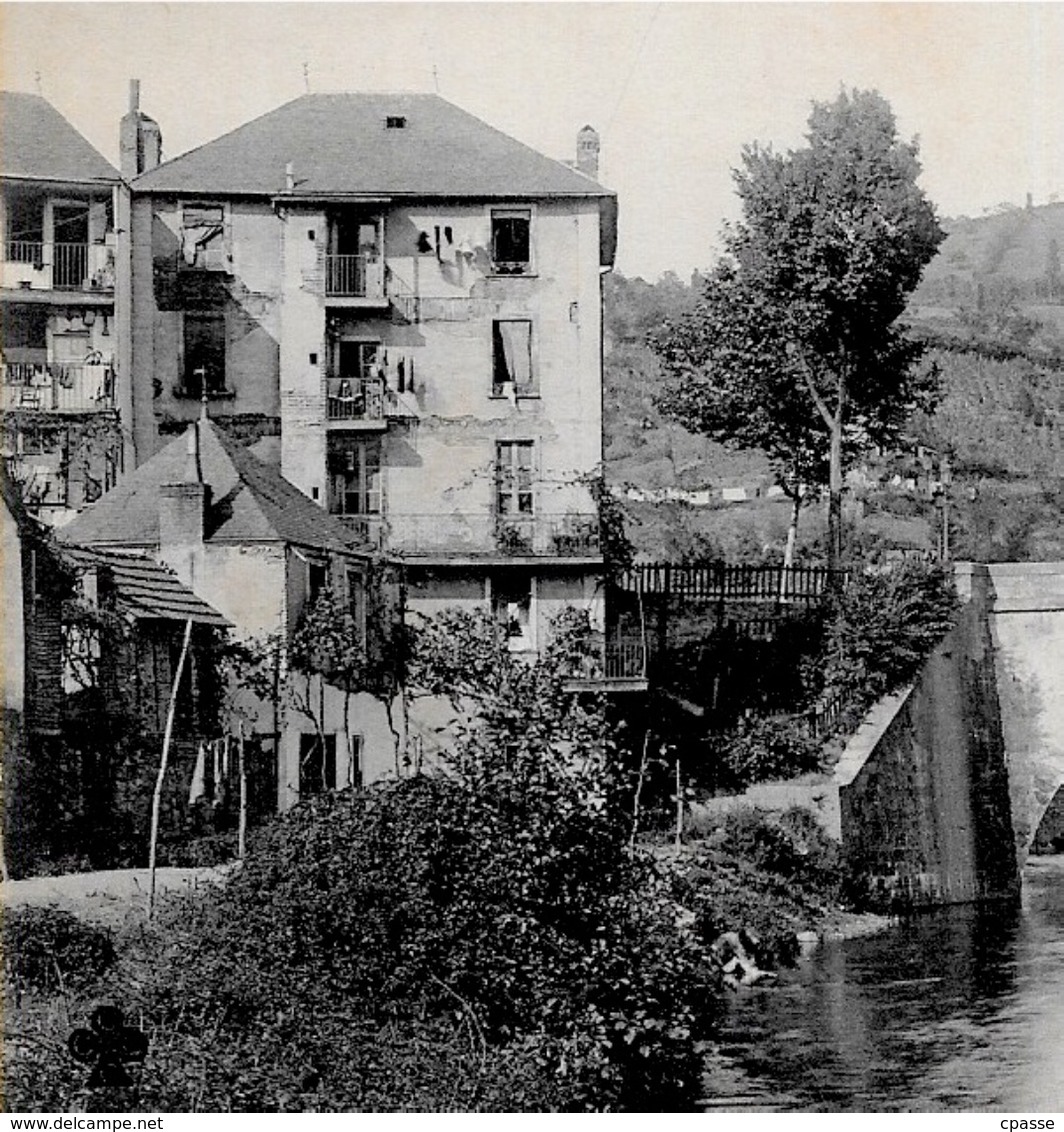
164, 759
242, 828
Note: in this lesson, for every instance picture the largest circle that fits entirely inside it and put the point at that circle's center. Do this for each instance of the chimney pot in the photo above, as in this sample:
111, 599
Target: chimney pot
587, 152
134, 95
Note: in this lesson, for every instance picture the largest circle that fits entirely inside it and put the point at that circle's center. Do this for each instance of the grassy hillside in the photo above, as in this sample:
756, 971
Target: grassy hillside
1013, 250
990, 308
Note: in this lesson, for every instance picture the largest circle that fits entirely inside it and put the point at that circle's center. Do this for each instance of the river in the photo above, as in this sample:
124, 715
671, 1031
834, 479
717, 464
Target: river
959, 1010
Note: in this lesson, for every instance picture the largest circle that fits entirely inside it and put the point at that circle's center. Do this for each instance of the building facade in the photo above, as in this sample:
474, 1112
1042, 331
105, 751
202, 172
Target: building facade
61, 388
379, 321
403, 306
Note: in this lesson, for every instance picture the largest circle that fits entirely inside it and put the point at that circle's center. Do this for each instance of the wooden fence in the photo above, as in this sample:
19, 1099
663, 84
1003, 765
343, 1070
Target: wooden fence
718, 581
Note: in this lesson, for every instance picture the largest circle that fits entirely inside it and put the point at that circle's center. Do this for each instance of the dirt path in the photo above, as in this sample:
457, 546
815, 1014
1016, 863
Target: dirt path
110, 897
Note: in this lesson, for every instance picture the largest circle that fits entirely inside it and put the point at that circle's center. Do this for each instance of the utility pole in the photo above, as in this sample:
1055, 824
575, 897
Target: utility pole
945, 479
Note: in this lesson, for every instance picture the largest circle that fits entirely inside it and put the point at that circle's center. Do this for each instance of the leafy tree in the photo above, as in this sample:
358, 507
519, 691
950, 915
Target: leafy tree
799, 329
334, 644
1053, 277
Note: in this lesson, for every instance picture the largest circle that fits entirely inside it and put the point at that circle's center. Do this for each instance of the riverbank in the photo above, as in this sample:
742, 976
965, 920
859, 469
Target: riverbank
953, 1010
775, 878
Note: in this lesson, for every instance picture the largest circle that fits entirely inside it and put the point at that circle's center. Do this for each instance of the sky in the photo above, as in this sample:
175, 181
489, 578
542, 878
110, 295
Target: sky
674, 89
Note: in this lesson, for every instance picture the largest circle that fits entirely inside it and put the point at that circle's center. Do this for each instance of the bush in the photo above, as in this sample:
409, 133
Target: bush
475, 938
49, 950
884, 626
792, 845
763, 749
440, 940
207, 851
468, 931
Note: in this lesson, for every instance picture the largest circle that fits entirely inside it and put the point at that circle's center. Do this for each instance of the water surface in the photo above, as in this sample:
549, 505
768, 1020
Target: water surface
957, 1010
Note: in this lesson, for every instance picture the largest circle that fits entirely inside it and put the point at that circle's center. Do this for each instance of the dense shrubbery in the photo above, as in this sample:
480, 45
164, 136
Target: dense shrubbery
48, 950
791, 844
475, 938
763, 749
872, 639
769, 875
883, 626
502, 919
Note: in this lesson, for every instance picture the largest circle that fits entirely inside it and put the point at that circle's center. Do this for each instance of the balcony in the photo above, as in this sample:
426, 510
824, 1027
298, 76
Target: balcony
355, 277
365, 402
464, 535
57, 387
619, 665
33, 266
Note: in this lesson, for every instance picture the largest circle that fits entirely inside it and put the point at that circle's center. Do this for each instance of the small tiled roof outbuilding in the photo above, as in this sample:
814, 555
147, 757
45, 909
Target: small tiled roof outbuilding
144, 588
248, 502
38, 143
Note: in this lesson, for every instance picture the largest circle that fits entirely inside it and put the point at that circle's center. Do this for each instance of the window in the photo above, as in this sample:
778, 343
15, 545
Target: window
511, 241
317, 763
355, 476
513, 483
512, 606
355, 776
395, 122
358, 359
317, 580
23, 339
25, 229
354, 266
356, 602
512, 358
204, 354
203, 237
42, 441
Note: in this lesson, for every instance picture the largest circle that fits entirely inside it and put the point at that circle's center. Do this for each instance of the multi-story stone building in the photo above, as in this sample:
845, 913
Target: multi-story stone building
401, 307
60, 390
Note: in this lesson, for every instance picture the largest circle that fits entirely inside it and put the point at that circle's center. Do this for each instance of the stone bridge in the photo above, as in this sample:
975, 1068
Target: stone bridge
939, 795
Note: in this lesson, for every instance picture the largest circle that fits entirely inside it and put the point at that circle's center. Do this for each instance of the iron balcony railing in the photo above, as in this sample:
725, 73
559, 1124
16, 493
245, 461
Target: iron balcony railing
625, 660
553, 536
354, 276
63, 387
366, 399
354, 399
617, 660
33, 265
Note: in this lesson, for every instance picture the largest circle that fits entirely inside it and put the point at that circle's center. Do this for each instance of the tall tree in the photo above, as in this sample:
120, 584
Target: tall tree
795, 345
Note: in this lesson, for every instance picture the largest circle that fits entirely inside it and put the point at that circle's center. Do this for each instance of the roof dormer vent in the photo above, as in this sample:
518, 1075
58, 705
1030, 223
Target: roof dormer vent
395, 122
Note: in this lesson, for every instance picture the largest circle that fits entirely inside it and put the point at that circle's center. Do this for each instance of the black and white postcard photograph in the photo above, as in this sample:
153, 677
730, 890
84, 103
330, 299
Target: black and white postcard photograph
532, 540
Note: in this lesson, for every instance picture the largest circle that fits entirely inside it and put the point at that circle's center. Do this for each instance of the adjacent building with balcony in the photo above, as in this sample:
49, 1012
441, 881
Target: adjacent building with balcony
401, 307
60, 393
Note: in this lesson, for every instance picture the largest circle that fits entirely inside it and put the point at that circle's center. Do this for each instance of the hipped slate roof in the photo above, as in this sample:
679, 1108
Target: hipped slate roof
340, 144
249, 502
144, 588
37, 142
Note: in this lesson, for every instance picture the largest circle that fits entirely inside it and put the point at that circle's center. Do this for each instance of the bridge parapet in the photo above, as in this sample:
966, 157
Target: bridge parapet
1017, 587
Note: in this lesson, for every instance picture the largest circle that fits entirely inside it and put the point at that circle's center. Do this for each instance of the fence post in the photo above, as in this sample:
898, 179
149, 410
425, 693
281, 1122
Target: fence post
679, 805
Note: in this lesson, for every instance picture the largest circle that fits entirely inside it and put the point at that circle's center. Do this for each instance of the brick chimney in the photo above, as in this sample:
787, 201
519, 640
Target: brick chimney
140, 141
587, 152
182, 509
